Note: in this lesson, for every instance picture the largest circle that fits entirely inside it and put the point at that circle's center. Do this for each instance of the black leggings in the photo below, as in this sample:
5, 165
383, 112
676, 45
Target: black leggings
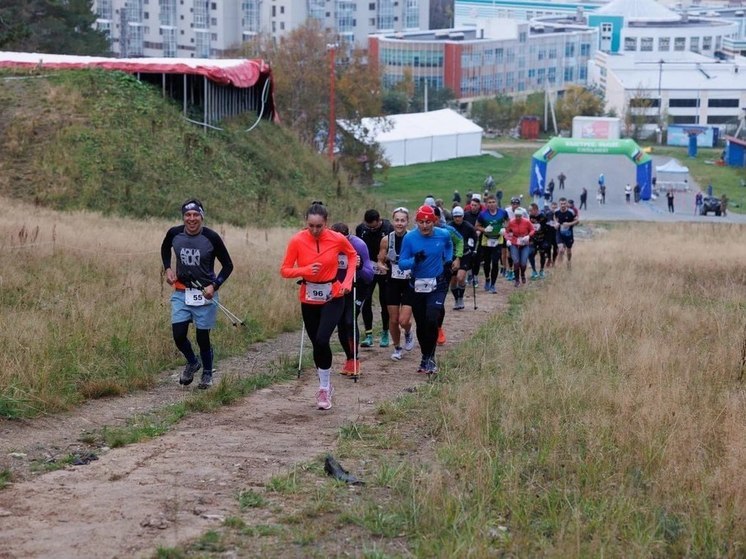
180, 331
491, 258
320, 321
379, 280
427, 309
347, 324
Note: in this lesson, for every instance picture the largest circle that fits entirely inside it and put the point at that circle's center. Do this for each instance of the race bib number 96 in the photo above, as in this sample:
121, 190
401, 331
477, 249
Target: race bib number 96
318, 291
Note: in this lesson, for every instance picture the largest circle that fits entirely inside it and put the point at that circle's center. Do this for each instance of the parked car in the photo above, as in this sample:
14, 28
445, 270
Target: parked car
711, 204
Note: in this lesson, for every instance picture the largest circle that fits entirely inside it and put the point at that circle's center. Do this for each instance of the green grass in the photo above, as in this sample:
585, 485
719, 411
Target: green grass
408, 186
101, 140
249, 498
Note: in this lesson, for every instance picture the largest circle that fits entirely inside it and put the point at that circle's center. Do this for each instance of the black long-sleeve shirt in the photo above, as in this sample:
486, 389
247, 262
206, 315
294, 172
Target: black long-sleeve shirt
195, 256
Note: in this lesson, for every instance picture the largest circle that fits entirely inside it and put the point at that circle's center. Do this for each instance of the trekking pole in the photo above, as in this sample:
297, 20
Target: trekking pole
235, 320
354, 330
474, 290
302, 338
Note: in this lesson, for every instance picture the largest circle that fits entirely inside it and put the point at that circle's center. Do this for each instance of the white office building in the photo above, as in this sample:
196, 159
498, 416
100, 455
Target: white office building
209, 29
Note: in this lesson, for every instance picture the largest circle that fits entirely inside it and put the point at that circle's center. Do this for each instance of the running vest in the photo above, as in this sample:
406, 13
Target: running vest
392, 255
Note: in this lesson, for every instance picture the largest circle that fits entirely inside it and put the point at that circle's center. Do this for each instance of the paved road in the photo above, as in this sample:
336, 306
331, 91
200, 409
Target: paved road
583, 170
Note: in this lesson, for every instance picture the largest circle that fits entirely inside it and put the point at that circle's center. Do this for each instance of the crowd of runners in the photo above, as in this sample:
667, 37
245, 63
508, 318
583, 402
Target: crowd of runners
413, 259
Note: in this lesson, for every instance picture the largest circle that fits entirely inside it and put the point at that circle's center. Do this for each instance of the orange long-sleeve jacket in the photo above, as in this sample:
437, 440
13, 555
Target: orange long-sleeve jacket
304, 250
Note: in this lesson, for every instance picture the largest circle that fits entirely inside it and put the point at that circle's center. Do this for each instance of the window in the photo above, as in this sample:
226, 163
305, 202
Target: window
683, 119
706, 43
551, 74
720, 119
732, 103
282, 9
585, 49
522, 36
582, 73
532, 73
569, 50
679, 43
646, 44
643, 102
542, 54
499, 55
552, 53
282, 26
510, 56
682, 102
630, 43
568, 74
372, 6
214, 21
664, 43
213, 6
694, 44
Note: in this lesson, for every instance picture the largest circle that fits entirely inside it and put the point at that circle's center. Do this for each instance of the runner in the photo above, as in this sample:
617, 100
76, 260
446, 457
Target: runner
427, 252
398, 296
518, 234
566, 220
195, 298
458, 252
371, 231
489, 224
628, 193
505, 257
473, 209
313, 256
469, 235
540, 241
349, 336
562, 178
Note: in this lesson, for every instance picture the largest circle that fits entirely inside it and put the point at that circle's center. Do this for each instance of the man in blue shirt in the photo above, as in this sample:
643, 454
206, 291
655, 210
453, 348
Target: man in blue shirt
427, 252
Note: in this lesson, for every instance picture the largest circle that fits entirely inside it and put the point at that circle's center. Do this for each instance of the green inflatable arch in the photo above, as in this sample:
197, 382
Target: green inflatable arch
626, 147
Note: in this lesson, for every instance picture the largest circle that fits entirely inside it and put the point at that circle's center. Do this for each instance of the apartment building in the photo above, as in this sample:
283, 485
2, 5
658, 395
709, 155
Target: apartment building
513, 57
210, 28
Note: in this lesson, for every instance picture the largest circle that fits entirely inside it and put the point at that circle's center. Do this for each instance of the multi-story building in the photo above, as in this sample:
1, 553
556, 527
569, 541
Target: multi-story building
210, 28
518, 58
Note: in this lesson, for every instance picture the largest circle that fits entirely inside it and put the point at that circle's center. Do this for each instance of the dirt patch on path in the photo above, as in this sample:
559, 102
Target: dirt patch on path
172, 489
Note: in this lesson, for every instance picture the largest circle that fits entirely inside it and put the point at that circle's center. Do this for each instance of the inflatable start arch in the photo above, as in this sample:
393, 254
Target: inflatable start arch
626, 147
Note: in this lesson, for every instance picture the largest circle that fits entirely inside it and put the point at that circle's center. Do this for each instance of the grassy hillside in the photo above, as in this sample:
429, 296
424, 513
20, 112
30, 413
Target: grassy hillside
103, 141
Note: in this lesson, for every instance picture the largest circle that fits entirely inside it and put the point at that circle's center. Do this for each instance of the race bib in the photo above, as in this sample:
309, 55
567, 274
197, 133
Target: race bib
398, 273
342, 261
318, 291
194, 297
493, 242
425, 285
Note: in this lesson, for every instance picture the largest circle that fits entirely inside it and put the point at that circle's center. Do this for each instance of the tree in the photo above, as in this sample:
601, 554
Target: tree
436, 99
577, 101
51, 26
394, 102
498, 113
635, 113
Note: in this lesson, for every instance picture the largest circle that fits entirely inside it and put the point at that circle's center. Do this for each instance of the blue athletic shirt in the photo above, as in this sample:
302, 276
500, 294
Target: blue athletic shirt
438, 249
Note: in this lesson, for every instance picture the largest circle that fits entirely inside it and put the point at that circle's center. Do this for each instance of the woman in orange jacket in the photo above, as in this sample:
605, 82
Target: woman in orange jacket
313, 256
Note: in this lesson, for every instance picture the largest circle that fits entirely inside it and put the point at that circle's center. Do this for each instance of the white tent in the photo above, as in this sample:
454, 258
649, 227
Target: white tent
672, 175
424, 137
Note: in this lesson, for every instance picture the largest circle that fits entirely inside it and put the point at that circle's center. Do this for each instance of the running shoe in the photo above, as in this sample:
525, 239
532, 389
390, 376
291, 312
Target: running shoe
475, 281
541, 275
187, 376
441, 336
206, 381
351, 367
517, 283
384, 339
523, 278
459, 304
431, 367
368, 341
423, 366
324, 398
408, 341
396, 356
487, 285
535, 275
510, 276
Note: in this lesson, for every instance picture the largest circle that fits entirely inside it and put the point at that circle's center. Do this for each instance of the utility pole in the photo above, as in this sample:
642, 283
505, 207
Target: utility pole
332, 118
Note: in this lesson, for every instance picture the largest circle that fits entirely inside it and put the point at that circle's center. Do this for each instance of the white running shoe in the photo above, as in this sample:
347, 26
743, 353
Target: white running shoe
396, 356
408, 341
324, 398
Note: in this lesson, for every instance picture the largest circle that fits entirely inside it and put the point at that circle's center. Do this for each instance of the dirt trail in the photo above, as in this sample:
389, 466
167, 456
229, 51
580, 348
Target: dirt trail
174, 488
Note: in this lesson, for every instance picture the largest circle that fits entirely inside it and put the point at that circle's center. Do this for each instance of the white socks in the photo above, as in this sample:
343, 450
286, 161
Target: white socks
324, 378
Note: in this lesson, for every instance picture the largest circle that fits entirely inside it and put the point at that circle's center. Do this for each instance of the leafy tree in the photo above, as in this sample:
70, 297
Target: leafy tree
436, 99
51, 26
634, 116
500, 113
394, 102
577, 101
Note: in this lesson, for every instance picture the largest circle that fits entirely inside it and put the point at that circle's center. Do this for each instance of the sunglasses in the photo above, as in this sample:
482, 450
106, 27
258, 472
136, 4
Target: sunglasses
400, 209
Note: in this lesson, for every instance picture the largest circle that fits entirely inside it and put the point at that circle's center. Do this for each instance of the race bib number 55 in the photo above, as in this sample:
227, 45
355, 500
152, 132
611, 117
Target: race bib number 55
194, 298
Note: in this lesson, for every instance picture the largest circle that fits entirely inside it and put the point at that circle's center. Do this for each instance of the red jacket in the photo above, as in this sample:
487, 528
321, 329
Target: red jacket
304, 250
519, 228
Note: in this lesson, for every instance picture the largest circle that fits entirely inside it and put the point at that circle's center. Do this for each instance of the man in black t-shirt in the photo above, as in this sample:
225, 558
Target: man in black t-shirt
195, 297
371, 231
565, 219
